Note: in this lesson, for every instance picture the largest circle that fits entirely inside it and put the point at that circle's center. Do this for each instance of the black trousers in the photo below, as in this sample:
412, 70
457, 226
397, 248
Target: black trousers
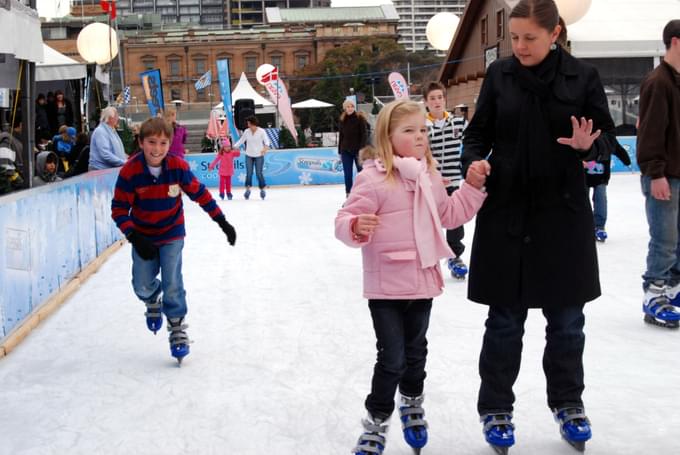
400, 328
454, 237
499, 361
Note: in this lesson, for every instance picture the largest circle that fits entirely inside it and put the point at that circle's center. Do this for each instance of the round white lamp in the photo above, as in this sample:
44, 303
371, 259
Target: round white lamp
440, 30
572, 11
94, 45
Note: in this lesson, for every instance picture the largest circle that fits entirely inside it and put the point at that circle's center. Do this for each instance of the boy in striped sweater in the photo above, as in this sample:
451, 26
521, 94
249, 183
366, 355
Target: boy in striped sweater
445, 133
147, 208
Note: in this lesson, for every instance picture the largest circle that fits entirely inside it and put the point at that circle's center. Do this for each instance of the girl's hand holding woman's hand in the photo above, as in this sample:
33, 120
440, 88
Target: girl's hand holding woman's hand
477, 173
365, 224
583, 137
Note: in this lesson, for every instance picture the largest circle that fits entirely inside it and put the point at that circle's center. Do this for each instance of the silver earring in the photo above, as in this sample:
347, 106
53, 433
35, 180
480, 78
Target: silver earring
553, 46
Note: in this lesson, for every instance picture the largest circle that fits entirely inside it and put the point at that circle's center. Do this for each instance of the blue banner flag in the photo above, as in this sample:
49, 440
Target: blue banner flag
153, 91
204, 81
225, 92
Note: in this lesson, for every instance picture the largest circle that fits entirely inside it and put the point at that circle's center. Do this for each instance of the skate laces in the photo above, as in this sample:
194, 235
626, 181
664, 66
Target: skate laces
178, 336
500, 420
153, 307
659, 302
373, 438
411, 412
572, 416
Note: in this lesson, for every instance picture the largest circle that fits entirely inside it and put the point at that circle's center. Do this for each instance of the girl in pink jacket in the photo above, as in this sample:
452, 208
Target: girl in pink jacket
225, 157
396, 213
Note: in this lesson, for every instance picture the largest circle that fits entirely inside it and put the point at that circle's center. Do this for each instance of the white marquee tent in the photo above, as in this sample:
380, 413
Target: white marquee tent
311, 104
244, 90
55, 66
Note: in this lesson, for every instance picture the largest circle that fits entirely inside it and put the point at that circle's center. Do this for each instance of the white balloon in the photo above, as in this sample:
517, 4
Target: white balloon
440, 30
572, 10
93, 43
263, 69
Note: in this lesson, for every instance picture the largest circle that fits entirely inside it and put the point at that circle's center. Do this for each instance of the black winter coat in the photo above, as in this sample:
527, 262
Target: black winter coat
353, 133
598, 173
540, 254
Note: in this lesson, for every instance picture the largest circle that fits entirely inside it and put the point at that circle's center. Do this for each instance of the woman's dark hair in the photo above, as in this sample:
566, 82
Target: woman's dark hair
252, 120
543, 12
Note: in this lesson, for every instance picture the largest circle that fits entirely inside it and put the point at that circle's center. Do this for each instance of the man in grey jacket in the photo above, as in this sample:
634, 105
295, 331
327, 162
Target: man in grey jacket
106, 147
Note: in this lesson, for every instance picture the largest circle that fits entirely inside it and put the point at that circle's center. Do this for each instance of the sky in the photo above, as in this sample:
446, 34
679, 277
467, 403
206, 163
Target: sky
283, 351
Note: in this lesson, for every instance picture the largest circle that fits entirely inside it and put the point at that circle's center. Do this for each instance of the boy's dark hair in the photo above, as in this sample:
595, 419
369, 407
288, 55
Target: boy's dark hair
51, 158
671, 30
155, 127
432, 86
252, 119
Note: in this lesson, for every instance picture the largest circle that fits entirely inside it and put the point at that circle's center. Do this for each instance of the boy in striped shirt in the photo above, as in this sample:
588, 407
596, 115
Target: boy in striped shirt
147, 208
445, 133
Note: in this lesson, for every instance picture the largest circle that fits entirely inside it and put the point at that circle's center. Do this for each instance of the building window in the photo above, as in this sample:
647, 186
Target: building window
201, 66
174, 67
484, 25
301, 61
149, 62
276, 60
251, 64
175, 94
201, 95
500, 24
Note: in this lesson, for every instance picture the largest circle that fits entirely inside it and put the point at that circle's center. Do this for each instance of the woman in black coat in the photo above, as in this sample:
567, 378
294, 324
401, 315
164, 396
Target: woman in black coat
539, 114
60, 112
353, 135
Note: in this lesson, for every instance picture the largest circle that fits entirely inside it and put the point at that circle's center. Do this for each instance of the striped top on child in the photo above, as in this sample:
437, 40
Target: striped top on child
153, 205
446, 138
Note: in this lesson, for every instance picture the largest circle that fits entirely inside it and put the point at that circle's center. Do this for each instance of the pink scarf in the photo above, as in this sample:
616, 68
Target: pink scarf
430, 241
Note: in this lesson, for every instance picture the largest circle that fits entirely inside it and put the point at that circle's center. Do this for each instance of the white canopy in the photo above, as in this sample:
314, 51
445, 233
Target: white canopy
21, 36
55, 66
244, 90
311, 104
622, 28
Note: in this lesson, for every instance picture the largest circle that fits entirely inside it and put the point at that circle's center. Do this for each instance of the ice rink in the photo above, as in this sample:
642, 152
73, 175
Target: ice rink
284, 349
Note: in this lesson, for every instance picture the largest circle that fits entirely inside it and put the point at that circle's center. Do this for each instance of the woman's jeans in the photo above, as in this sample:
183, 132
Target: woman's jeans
663, 249
400, 328
258, 163
349, 159
600, 206
501, 355
147, 286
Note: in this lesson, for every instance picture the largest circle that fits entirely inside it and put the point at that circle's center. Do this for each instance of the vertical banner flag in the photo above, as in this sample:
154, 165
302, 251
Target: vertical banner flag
398, 86
204, 81
268, 75
153, 91
225, 93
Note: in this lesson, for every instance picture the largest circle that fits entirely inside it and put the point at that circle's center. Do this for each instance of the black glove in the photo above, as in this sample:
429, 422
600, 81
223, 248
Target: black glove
227, 228
143, 246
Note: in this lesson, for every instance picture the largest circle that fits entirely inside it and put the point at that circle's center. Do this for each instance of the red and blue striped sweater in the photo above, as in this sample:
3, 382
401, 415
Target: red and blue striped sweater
153, 206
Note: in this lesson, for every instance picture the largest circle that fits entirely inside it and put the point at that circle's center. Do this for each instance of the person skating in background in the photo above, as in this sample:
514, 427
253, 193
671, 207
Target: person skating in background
46, 169
540, 113
658, 155
147, 207
597, 178
257, 144
445, 133
179, 133
225, 158
395, 213
353, 135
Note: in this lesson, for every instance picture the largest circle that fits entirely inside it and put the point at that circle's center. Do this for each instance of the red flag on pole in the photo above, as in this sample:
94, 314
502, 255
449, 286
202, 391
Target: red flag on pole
109, 6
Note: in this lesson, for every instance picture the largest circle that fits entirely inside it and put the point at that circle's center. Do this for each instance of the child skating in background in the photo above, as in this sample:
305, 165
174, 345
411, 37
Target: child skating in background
597, 178
445, 133
225, 158
147, 208
395, 213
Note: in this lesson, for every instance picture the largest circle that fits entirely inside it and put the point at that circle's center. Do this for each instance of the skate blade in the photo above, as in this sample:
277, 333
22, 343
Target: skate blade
665, 324
500, 450
578, 445
416, 451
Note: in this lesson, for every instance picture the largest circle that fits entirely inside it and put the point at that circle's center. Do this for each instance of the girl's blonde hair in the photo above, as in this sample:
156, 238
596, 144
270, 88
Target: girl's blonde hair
388, 119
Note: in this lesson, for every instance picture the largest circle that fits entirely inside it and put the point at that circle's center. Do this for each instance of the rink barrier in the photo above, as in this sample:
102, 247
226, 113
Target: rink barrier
49, 236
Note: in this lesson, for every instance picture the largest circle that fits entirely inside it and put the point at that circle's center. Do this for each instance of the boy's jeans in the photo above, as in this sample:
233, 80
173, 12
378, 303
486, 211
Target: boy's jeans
259, 163
499, 361
147, 286
663, 250
600, 206
400, 328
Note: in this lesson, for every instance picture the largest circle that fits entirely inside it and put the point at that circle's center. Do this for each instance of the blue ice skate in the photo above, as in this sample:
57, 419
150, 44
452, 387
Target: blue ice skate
263, 193
247, 193
658, 309
154, 317
673, 293
600, 235
372, 440
574, 426
413, 421
499, 431
458, 268
179, 341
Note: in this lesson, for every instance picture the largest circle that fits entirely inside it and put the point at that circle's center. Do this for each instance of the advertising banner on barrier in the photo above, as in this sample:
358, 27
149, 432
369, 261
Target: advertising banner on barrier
311, 166
153, 91
225, 93
628, 143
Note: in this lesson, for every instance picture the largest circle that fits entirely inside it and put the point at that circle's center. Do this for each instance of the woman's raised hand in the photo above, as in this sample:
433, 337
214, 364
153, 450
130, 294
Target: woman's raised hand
583, 137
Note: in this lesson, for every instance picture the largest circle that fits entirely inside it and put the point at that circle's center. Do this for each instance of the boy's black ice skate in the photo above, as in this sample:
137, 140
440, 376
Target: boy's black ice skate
658, 309
413, 421
179, 341
574, 426
154, 317
372, 440
499, 431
